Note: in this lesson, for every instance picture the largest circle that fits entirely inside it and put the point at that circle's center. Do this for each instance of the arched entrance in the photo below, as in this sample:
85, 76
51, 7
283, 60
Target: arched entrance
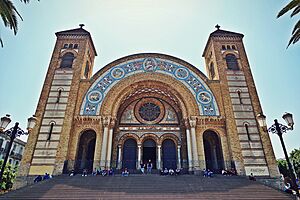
149, 152
213, 151
129, 154
85, 152
169, 154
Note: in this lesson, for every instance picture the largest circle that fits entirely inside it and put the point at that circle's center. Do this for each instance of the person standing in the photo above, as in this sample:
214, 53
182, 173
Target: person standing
149, 167
142, 167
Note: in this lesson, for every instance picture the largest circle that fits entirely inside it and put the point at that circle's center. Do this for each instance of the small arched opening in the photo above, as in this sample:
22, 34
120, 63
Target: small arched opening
149, 152
213, 151
85, 152
129, 154
169, 154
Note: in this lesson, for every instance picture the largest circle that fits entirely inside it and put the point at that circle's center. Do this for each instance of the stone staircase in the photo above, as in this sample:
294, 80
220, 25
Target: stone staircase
146, 187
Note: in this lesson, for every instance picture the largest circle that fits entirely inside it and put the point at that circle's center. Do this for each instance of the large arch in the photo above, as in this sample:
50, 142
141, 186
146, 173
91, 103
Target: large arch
176, 70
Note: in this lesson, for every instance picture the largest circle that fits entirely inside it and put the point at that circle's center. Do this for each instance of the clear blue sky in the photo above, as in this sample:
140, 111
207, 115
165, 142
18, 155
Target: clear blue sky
175, 27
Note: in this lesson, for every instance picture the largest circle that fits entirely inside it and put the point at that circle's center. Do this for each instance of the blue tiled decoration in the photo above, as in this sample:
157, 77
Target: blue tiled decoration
94, 97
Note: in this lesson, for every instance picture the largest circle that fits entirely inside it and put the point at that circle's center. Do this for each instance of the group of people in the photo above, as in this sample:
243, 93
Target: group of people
207, 173
148, 166
41, 178
171, 172
288, 183
231, 172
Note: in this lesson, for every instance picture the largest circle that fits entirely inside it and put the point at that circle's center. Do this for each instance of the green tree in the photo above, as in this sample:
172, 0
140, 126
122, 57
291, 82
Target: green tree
295, 159
283, 167
294, 5
10, 15
9, 176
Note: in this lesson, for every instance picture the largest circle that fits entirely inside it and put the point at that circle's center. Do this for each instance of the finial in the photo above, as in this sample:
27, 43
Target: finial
81, 25
217, 27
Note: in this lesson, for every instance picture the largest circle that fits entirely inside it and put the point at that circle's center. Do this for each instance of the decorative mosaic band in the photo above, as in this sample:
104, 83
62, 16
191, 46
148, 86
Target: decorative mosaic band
94, 97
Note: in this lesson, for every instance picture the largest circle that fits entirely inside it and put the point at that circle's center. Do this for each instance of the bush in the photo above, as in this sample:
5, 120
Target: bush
8, 177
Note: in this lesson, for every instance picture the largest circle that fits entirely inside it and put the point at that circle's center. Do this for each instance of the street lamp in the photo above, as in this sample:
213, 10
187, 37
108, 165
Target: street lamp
13, 133
279, 129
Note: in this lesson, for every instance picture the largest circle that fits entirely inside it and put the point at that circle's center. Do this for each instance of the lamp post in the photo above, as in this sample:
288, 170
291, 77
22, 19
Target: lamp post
13, 132
279, 129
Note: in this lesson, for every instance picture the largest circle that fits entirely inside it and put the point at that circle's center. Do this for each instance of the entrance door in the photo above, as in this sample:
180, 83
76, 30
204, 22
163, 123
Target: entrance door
85, 152
149, 152
169, 154
213, 151
129, 154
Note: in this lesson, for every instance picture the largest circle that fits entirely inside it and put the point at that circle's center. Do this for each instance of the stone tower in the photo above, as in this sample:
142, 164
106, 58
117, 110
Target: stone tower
227, 63
71, 64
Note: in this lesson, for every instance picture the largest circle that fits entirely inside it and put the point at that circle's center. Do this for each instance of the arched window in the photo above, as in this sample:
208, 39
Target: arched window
67, 60
86, 70
231, 62
247, 131
212, 70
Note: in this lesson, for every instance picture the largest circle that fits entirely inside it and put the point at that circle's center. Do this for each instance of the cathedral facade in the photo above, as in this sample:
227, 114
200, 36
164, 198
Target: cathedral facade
148, 106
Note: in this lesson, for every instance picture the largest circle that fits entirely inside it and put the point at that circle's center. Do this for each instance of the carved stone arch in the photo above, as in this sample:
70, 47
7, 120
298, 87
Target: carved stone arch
169, 136
151, 136
119, 92
128, 136
177, 72
68, 51
225, 53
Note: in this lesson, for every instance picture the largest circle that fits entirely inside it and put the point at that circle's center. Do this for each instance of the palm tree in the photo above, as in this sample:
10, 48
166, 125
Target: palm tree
295, 6
9, 15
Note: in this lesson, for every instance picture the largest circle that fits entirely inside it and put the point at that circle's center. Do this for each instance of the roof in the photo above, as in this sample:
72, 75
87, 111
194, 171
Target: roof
221, 33
77, 31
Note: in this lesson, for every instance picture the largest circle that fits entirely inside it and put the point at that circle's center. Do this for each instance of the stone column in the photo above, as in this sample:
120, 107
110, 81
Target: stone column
104, 142
109, 143
178, 157
158, 164
193, 122
139, 156
119, 157
189, 145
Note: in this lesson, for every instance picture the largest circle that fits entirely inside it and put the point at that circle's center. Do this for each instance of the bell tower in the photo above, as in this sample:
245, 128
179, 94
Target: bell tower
71, 63
226, 61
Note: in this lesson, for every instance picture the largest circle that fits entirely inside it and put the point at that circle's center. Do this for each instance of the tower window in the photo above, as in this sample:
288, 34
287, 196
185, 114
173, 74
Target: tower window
239, 96
223, 47
50, 131
212, 70
70, 46
228, 47
233, 47
58, 96
231, 62
66, 46
67, 60
75, 46
247, 131
86, 70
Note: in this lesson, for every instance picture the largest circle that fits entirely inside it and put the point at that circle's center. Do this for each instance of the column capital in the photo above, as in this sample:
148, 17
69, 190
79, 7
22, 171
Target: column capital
179, 146
186, 123
112, 122
106, 120
159, 146
139, 145
193, 121
119, 145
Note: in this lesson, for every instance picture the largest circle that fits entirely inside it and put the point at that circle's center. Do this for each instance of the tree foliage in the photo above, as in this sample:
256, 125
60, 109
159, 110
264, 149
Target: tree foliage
10, 15
293, 6
8, 177
295, 161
